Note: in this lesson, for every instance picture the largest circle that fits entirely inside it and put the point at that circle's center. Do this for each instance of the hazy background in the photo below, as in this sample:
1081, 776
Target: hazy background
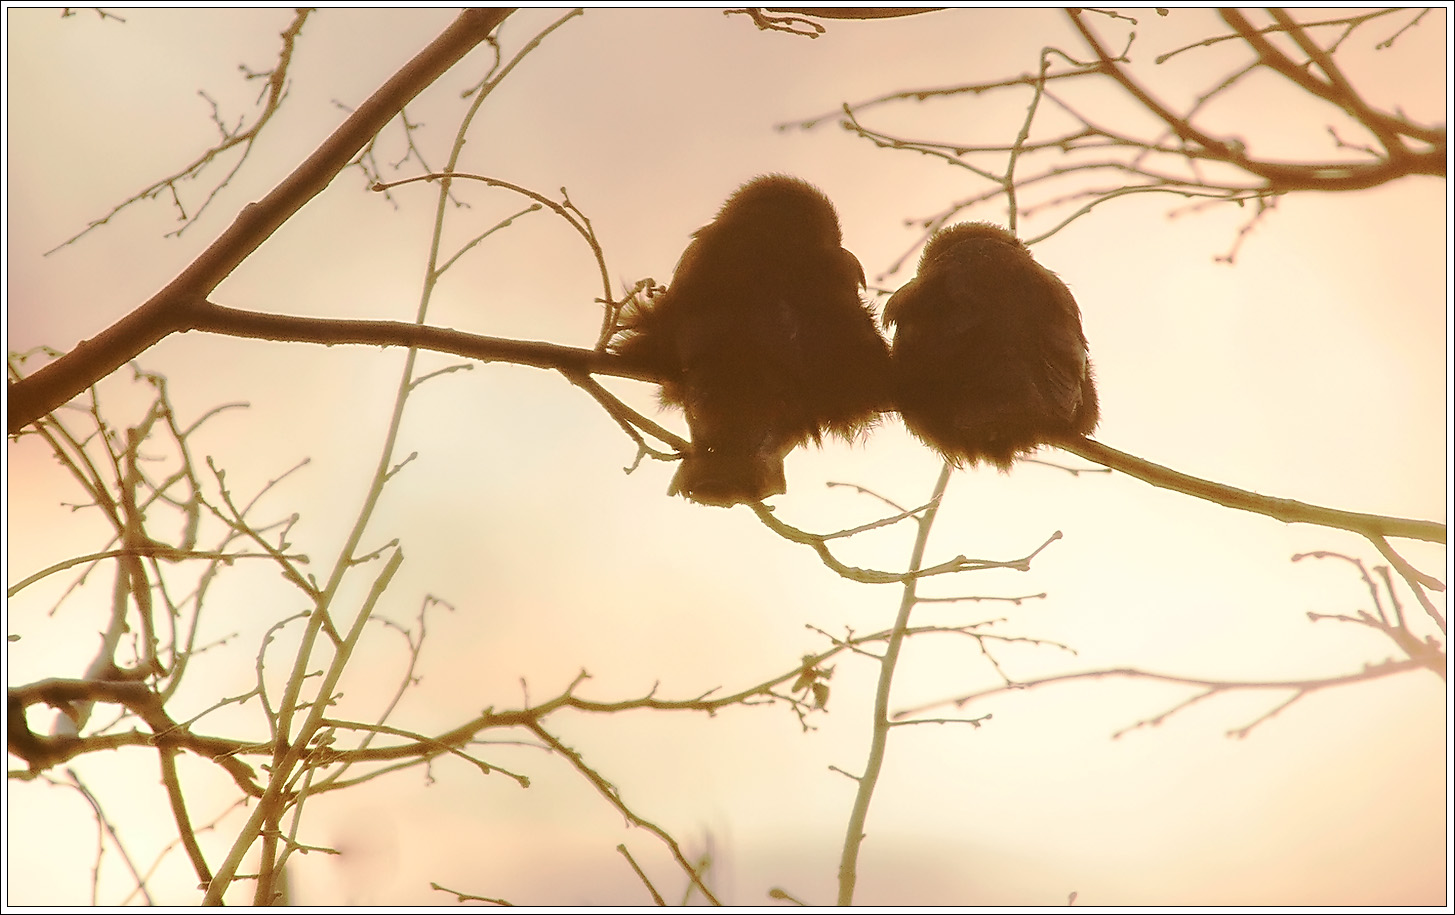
1314, 369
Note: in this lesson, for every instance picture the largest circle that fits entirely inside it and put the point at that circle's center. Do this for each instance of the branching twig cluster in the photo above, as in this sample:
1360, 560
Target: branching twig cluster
236, 136
340, 753
1179, 157
164, 313
1427, 653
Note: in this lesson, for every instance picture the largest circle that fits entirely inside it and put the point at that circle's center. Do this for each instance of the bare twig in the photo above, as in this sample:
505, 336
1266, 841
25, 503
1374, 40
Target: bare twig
819, 543
854, 837
102, 354
608, 791
641, 875
275, 89
103, 825
467, 897
1298, 688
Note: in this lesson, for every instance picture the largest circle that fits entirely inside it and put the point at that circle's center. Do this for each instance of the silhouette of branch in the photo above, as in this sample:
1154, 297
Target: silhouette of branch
99, 356
799, 21
167, 849
1335, 88
1299, 688
42, 752
630, 420
104, 827
275, 89
1350, 23
930, 92
177, 801
1288, 511
467, 897
819, 543
103, 15
566, 210
1426, 651
233, 322
151, 550
857, 12
608, 790
1417, 580
1172, 161
879, 736
1278, 176
641, 875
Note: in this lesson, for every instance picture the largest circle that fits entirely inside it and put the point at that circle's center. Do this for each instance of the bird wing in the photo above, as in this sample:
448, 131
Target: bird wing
1063, 347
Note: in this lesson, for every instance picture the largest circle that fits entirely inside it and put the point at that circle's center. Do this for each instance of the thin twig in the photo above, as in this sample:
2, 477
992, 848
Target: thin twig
854, 837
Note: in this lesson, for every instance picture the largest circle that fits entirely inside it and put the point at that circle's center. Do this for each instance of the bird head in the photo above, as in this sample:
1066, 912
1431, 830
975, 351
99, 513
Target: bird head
781, 210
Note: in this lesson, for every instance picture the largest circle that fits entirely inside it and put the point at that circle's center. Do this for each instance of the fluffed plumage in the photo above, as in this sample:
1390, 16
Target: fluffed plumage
989, 358
763, 339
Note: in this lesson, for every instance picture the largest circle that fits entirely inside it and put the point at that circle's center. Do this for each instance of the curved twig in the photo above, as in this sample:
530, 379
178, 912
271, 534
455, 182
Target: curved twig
819, 543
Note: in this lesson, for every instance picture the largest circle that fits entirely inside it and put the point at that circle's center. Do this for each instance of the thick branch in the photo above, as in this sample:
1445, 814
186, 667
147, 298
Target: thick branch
1288, 511
1336, 91
219, 319
94, 359
576, 362
42, 752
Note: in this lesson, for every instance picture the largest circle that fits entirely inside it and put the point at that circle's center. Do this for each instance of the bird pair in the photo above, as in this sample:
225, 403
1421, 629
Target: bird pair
764, 341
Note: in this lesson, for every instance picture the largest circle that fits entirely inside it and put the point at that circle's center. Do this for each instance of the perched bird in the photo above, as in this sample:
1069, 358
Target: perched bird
989, 360
762, 339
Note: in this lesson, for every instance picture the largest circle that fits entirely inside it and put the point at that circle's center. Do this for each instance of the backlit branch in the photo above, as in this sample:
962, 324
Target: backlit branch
1182, 157
1207, 687
99, 356
274, 90
1288, 511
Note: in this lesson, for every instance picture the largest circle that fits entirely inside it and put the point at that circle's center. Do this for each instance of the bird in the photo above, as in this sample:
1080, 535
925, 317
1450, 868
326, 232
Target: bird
989, 358
762, 339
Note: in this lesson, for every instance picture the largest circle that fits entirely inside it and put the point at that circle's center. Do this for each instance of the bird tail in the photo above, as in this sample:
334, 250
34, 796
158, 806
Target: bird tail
727, 478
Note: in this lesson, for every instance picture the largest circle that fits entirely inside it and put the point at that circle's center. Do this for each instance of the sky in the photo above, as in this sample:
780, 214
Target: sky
1314, 367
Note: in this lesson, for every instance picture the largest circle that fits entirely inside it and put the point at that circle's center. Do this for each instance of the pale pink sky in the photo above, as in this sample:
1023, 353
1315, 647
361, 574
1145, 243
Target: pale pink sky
1314, 369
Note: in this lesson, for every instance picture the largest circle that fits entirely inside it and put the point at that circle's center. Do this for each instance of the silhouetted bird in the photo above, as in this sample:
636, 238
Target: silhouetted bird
763, 340
989, 358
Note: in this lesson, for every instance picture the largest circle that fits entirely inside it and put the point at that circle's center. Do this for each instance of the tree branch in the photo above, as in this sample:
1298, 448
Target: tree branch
1298, 687
1288, 511
234, 322
1325, 176
277, 81
161, 315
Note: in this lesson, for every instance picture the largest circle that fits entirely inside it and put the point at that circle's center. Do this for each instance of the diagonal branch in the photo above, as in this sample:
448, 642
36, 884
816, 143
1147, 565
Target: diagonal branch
159, 316
1288, 511
277, 80
1336, 90
1278, 176
608, 791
